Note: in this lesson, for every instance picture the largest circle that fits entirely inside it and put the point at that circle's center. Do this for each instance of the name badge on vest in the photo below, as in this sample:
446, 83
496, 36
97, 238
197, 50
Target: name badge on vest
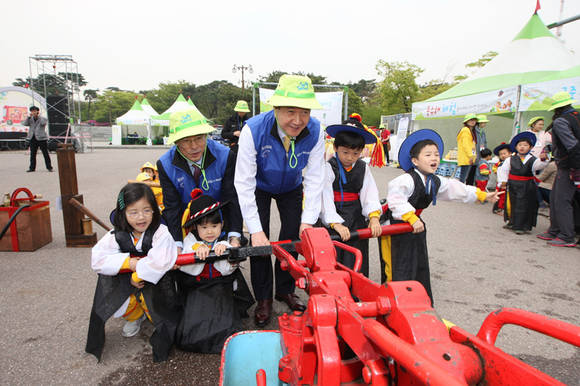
265, 151
180, 182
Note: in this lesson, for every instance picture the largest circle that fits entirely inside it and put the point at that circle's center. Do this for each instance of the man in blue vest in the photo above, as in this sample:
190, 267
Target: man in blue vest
196, 161
280, 157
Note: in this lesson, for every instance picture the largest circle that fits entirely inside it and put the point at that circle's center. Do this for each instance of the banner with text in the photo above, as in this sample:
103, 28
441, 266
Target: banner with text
491, 102
537, 96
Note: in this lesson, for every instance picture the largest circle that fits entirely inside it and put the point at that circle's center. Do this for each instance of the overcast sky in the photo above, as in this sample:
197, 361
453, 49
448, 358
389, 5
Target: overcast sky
135, 45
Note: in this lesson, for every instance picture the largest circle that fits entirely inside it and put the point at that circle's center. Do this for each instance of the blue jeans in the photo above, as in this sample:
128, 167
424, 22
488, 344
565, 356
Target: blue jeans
463, 172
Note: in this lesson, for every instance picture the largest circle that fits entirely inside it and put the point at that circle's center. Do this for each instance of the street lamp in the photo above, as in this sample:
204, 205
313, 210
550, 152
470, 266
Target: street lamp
243, 68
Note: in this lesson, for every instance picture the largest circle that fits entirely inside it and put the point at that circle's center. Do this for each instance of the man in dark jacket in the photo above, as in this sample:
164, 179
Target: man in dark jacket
234, 124
196, 161
566, 150
37, 137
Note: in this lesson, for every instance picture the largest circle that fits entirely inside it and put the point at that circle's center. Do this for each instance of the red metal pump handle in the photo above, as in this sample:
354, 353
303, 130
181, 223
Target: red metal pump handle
15, 193
356, 252
558, 329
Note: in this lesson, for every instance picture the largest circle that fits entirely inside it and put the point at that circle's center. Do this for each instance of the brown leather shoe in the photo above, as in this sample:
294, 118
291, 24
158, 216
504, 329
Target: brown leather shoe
292, 300
263, 312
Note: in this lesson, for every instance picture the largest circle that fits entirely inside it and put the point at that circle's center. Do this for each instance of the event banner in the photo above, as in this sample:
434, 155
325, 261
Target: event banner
14, 105
331, 102
491, 102
537, 96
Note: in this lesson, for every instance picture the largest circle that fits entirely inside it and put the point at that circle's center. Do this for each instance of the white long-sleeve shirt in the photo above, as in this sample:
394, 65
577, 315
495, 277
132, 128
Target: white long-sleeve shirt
245, 181
368, 195
503, 171
107, 258
223, 266
402, 187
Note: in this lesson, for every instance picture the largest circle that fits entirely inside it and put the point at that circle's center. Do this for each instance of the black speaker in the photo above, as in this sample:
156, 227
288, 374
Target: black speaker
58, 115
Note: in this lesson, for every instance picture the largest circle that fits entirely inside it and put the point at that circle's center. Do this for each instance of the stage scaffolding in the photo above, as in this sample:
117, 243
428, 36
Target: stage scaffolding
63, 70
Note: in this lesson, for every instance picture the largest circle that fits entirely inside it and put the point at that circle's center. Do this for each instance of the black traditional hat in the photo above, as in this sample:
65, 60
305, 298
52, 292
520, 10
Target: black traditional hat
200, 206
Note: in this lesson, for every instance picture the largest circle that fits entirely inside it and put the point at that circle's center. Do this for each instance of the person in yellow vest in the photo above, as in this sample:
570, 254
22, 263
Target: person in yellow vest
466, 146
149, 173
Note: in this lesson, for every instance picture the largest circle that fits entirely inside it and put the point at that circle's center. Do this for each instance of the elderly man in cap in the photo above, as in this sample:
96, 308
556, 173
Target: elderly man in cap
196, 161
280, 157
566, 150
233, 126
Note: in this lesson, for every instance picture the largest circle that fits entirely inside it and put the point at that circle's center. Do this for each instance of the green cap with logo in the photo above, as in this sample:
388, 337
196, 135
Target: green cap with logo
294, 91
561, 99
242, 107
186, 124
469, 116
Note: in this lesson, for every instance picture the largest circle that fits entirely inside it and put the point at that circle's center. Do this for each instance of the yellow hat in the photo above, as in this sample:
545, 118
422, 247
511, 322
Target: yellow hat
148, 165
481, 118
294, 91
561, 99
143, 177
187, 124
242, 107
469, 117
534, 120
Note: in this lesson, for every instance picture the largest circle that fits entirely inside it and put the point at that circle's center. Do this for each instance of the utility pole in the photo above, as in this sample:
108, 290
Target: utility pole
242, 68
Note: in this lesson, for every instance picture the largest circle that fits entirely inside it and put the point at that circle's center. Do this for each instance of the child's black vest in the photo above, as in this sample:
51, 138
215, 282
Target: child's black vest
126, 242
419, 199
354, 179
518, 168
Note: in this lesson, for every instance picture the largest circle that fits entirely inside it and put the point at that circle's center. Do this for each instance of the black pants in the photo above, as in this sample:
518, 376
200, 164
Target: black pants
561, 207
470, 180
386, 150
290, 210
43, 145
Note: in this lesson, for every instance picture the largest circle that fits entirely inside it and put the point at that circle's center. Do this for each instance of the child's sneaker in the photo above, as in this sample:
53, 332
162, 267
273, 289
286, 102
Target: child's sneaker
561, 243
132, 328
545, 236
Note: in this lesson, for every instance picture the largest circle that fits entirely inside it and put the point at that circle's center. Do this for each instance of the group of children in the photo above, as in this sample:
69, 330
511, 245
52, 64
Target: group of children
518, 176
198, 306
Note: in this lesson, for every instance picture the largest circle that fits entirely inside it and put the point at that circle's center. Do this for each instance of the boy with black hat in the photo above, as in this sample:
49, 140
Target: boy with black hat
215, 295
350, 199
503, 151
411, 193
517, 172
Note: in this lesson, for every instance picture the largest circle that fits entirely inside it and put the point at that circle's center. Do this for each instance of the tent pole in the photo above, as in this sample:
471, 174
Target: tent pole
517, 114
254, 99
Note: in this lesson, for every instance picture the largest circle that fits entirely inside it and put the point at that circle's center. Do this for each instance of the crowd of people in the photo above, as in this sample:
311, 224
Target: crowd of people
537, 168
209, 191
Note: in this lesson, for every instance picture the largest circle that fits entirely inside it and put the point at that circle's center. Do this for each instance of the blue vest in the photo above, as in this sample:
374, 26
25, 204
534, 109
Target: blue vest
214, 173
274, 174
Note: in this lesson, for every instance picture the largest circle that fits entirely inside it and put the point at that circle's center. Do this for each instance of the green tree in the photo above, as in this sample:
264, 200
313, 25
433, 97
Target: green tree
355, 103
164, 96
364, 88
274, 76
56, 84
432, 88
90, 95
112, 104
398, 88
476, 65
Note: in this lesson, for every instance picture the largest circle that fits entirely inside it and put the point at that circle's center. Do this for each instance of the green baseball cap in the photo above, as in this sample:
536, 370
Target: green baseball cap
469, 116
295, 91
242, 107
534, 120
481, 118
561, 99
186, 124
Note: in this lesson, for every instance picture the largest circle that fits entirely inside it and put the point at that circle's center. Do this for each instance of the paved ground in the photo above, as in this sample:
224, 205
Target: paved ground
45, 296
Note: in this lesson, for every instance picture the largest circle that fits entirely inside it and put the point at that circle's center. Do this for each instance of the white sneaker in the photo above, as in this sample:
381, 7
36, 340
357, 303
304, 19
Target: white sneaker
132, 328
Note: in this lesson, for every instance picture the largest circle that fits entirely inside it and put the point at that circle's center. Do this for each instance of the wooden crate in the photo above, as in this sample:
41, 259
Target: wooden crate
31, 229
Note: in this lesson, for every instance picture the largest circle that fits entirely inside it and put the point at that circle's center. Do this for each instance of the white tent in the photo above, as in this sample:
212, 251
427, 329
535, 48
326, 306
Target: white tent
148, 108
135, 116
180, 104
534, 55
